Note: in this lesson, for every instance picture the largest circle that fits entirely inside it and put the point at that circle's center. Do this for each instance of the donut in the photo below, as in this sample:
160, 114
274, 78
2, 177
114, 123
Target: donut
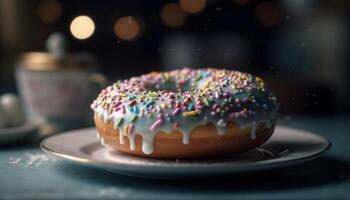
186, 114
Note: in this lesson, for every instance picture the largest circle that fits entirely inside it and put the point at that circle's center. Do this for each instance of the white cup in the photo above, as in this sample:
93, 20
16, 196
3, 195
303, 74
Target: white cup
59, 96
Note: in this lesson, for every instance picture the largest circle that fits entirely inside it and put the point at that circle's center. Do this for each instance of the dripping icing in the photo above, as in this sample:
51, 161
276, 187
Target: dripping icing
211, 108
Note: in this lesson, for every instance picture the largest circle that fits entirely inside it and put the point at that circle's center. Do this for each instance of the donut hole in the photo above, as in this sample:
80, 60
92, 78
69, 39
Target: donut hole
177, 86
170, 86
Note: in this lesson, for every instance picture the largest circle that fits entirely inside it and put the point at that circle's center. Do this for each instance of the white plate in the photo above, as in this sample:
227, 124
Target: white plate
287, 146
18, 133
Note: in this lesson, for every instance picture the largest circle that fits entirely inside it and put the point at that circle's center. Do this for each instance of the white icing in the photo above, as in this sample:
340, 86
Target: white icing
148, 123
132, 142
148, 135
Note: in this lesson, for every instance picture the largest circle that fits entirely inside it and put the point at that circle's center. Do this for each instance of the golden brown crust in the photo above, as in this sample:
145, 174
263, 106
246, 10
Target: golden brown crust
204, 141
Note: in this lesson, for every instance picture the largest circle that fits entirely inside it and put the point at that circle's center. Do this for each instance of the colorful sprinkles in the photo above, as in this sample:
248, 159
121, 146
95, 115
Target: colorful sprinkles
181, 99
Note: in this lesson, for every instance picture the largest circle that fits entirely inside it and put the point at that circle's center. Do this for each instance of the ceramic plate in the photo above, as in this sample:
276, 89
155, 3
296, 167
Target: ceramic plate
287, 146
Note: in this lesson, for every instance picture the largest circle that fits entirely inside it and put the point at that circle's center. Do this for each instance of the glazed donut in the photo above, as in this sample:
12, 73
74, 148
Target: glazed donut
186, 114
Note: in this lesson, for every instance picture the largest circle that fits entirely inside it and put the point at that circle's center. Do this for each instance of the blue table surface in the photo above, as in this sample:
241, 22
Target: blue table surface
327, 177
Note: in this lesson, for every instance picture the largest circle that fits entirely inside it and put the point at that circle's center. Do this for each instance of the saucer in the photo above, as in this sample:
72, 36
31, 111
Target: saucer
287, 146
18, 133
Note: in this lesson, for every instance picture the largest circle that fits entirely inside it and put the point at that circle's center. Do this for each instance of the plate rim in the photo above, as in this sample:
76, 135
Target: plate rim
252, 166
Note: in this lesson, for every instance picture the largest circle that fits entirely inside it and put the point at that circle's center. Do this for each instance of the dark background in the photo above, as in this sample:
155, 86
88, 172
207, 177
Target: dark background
299, 47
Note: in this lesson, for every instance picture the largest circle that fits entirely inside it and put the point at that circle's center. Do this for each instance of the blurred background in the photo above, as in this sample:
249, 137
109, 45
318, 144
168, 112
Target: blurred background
299, 47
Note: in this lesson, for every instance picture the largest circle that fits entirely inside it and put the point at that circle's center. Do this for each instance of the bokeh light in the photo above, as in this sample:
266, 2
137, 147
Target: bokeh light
82, 27
269, 13
192, 6
49, 10
127, 28
172, 15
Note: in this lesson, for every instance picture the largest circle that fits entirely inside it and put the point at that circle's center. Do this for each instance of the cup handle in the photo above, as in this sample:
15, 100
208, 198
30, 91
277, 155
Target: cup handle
98, 80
